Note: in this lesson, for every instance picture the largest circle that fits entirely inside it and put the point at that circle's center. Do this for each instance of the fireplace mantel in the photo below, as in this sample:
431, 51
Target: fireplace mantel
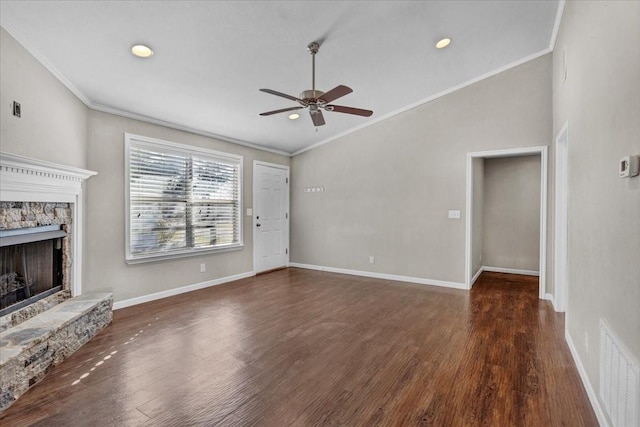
24, 179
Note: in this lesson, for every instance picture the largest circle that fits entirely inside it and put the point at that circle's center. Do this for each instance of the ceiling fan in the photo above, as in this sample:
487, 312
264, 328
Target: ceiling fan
317, 100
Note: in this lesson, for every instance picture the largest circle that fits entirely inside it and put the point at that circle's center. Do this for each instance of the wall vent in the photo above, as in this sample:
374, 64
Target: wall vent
619, 380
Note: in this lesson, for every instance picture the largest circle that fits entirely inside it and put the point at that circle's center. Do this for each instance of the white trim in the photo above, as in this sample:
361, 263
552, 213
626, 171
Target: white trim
426, 100
510, 270
177, 291
44, 168
544, 159
119, 112
397, 278
593, 398
42, 60
475, 277
510, 152
170, 125
177, 146
24, 179
484, 268
556, 25
123, 113
549, 297
288, 213
180, 149
468, 226
561, 223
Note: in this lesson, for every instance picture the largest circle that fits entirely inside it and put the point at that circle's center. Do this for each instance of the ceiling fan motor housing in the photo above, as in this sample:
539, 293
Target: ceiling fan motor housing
310, 97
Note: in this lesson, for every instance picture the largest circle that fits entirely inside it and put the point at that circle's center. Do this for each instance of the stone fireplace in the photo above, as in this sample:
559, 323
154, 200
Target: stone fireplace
35, 252
44, 315
36, 193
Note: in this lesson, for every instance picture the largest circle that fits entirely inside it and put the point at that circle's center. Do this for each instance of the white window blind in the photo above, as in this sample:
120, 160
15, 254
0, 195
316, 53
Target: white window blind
181, 200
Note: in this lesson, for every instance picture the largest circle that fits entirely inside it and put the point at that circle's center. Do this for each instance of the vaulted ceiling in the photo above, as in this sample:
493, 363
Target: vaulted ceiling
212, 57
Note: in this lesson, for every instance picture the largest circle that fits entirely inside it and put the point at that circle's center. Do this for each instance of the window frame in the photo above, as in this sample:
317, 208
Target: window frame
185, 150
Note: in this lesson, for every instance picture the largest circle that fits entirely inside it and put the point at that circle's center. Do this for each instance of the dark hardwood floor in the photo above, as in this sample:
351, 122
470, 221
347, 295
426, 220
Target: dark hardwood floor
305, 348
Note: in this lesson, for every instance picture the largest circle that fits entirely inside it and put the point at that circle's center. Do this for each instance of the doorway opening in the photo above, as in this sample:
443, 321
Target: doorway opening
473, 266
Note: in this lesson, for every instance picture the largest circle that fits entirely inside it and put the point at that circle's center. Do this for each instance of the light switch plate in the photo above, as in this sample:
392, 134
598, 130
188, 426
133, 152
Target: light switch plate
249, 212
454, 214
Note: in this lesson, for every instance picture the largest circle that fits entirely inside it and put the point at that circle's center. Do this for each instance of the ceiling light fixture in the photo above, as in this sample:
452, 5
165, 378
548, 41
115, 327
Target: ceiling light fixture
443, 43
141, 51
294, 116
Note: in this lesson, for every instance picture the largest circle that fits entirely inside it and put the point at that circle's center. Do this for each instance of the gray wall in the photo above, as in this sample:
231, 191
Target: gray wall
56, 126
105, 268
388, 187
53, 125
600, 99
478, 215
511, 220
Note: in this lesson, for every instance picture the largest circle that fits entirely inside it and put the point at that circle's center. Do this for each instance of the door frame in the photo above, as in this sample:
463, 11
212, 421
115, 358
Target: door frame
253, 214
561, 220
542, 151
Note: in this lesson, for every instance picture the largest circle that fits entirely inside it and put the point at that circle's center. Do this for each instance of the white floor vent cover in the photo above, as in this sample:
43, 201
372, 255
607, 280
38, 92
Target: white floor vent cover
619, 380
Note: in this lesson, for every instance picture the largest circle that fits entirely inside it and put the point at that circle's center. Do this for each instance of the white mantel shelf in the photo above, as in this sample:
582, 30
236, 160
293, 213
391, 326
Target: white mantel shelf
14, 163
24, 179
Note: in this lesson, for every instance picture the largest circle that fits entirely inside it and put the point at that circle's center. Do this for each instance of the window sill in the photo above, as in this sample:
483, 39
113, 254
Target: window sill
139, 259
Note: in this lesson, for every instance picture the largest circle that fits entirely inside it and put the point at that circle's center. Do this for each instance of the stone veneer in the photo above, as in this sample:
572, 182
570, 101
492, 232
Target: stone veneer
30, 349
33, 214
39, 336
25, 313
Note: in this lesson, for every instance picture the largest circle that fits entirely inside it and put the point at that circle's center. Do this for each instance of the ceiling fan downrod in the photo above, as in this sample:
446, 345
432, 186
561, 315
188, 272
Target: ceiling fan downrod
313, 48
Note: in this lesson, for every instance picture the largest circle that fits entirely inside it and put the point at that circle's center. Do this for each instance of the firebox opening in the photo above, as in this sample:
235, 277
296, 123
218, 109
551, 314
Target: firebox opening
30, 266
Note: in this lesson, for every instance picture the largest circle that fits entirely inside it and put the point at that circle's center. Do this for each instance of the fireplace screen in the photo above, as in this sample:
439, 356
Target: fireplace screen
30, 265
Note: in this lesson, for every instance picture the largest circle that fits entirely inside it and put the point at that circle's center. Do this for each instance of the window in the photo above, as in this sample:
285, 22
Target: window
181, 200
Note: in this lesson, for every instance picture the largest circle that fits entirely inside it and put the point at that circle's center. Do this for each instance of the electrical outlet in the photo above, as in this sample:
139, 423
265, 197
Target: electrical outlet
372, 260
17, 111
586, 341
203, 267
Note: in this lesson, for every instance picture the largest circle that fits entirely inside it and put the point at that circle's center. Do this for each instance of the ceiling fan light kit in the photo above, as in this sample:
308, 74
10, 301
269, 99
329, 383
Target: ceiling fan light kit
317, 100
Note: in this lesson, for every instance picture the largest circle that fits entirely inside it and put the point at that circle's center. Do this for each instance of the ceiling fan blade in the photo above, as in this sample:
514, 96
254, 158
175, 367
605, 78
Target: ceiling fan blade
349, 110
268, 113
317, 117
336, 92
284, 95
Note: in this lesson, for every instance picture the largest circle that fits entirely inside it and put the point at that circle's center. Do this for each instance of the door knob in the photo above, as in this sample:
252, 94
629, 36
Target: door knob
257, 225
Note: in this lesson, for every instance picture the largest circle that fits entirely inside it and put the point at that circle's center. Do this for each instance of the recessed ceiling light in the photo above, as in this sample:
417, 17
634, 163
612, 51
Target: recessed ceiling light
443, 43
294, 116
141, 51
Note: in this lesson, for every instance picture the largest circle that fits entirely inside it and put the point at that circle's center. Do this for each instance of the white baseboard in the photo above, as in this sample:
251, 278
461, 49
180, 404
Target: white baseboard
593, 397
473, 280
510, 271
549, 297
177, 291
419, 280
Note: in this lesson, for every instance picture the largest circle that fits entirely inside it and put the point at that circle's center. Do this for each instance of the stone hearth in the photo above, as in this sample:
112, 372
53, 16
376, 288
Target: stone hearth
35, 338
30, 349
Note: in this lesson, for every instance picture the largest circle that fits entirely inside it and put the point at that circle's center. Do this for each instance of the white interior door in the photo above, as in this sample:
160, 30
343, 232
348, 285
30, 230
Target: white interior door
270, 216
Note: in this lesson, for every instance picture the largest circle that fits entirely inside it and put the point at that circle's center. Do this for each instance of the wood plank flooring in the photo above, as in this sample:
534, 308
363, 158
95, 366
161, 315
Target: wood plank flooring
305, 348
